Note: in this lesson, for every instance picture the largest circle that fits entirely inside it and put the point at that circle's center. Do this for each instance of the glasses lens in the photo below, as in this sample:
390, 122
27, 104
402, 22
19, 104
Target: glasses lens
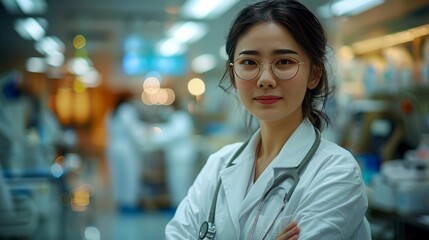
285, 68
246, 68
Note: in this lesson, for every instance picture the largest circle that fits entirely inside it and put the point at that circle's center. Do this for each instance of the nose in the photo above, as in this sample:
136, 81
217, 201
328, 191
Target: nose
266, 77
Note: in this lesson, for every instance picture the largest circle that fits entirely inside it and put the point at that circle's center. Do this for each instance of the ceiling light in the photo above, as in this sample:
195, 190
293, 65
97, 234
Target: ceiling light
203, 63
179, 36
31, 28
36, 65
188, 32
32, 6
353, 7
170, 47
55, 59
79, 66
91, 78
50, 44
206, 8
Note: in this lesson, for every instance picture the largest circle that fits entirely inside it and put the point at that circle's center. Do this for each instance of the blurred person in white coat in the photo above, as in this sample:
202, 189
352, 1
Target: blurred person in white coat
126, 138
286, 182
176, 139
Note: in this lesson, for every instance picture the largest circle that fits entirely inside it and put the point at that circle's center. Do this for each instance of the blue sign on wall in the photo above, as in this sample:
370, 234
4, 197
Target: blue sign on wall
136, 64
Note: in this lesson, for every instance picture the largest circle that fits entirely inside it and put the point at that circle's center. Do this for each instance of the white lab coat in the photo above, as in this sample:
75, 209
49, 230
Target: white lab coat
126, 134
176, 137
328, 203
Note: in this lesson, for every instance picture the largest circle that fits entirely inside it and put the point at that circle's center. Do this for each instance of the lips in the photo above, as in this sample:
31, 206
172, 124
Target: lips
267, 99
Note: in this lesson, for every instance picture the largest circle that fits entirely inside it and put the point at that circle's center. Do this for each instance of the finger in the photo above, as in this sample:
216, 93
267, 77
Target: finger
291, 234
289, 227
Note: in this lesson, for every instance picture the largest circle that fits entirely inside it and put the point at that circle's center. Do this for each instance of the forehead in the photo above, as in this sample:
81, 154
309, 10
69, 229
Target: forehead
265, 38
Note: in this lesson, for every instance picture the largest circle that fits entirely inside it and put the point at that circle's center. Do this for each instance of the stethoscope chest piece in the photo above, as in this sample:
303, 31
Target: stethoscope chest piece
207, 230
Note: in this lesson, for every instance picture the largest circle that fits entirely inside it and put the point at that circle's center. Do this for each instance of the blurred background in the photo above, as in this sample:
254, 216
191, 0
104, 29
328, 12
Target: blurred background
108, 110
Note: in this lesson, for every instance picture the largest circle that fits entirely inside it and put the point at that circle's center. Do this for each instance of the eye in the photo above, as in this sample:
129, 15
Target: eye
247, 61
285, 61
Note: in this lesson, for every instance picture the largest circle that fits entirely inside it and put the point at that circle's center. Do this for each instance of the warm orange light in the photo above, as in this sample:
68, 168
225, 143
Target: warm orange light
79, 41
390, 40
78, 85
63, 102
151, 85
162, 96
196, 86
80, 199
81, 107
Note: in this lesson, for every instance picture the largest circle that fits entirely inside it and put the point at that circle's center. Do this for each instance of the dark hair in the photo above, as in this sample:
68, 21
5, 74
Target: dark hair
306, 31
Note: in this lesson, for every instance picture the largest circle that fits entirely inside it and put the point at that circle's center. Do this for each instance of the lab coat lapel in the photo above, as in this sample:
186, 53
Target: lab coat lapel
235, 180
255, 193
290, 156
295, 149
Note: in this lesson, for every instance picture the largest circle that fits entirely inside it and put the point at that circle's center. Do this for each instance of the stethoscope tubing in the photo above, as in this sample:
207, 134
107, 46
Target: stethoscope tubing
293, 173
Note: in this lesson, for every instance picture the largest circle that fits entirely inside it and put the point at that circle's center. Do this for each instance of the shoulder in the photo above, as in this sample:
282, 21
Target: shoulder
221, 157
334, 163
333, 154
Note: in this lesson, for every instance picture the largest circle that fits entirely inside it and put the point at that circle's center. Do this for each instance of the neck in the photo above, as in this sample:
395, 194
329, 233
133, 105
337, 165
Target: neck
273, 138
275, 135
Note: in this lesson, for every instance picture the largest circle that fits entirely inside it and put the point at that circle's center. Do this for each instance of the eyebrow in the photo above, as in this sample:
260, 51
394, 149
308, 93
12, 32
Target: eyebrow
276, 52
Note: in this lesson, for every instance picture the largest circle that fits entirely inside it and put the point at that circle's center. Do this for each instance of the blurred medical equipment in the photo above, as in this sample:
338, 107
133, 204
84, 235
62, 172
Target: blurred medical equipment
402, 186
28, 129
29, 133
208, 228
19, 214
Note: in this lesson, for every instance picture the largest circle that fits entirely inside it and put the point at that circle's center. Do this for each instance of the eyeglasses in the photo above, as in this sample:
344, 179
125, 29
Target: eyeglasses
283, 68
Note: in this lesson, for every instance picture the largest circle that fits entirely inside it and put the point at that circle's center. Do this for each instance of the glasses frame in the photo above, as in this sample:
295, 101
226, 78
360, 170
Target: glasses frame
260, 65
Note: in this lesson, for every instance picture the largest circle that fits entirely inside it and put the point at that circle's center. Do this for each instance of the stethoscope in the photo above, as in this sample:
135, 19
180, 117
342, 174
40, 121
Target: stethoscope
208, 228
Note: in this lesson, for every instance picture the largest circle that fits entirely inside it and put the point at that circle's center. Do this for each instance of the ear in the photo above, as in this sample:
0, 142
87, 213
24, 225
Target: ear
314, 78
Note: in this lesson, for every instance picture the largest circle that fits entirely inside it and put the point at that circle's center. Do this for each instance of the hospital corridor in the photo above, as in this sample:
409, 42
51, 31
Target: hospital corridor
113, 111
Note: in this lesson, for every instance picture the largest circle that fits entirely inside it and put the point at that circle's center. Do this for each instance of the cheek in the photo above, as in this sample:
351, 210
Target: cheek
296, 88
239, 85
303, 80
243, 90
240, 91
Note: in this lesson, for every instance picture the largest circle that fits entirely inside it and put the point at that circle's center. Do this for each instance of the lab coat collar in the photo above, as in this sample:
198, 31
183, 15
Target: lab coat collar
296, 147
290, 156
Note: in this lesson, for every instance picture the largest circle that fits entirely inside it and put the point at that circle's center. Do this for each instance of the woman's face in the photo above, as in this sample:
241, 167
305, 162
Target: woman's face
267, 97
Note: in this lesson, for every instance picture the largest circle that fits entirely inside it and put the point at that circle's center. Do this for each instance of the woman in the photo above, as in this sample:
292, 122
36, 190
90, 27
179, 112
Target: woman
276, 53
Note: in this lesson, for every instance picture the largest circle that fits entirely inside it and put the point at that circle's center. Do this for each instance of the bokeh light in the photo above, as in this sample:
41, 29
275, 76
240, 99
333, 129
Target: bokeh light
196, 86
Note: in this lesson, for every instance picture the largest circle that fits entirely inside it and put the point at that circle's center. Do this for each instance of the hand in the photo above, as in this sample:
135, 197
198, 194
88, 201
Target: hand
291, 232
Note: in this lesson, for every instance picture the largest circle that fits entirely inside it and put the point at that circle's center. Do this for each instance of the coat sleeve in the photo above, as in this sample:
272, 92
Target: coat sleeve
195, 207
335, 202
